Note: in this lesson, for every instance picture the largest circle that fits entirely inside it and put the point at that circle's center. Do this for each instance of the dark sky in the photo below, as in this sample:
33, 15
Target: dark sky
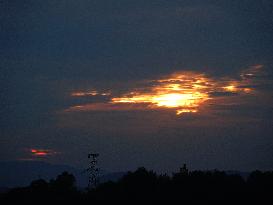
50, 49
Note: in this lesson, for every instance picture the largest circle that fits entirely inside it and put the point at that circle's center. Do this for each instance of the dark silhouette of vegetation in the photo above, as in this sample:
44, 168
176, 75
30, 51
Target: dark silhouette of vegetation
143, 186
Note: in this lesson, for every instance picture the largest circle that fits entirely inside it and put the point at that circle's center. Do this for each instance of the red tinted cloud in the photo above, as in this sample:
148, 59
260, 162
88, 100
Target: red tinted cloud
41, 152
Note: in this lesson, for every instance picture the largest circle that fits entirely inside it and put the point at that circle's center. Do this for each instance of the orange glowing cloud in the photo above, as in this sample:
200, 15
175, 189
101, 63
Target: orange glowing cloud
41, 152
184, 92
89, 93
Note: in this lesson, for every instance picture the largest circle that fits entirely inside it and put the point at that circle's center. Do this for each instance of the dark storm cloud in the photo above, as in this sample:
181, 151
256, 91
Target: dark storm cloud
52, 48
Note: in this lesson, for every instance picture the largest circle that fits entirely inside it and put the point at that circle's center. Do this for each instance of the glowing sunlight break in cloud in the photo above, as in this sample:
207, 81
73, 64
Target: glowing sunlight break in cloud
184, 92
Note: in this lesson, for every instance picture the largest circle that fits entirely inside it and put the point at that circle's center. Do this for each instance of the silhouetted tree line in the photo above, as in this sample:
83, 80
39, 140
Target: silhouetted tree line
143, 186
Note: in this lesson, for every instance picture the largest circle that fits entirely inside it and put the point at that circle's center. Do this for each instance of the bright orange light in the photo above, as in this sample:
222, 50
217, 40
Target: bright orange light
179, 112
177, 99
234, 89
230, 88
182, 91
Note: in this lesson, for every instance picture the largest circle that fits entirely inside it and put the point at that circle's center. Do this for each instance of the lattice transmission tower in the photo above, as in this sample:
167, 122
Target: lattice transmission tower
93, 171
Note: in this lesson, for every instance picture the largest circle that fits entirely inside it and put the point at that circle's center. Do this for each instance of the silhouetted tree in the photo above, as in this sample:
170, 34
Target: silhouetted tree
64, 183
143, 186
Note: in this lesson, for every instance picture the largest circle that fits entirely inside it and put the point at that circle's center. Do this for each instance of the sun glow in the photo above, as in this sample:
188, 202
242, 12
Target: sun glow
178, 100
184, 92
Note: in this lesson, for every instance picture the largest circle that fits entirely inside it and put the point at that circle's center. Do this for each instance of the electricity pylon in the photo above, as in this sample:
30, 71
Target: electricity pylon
93, 171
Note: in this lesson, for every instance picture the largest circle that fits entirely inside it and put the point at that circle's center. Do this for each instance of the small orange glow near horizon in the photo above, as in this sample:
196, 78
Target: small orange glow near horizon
184, 92
41, 152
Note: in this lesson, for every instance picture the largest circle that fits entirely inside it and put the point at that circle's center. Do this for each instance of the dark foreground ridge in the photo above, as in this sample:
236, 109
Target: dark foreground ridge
142, 186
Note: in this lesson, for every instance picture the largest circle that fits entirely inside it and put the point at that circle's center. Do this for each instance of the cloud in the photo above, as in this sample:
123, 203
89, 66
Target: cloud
89, 93
40, 153
182, 92
224, 93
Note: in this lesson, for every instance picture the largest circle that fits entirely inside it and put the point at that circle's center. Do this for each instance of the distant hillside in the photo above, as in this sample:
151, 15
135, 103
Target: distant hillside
21, 173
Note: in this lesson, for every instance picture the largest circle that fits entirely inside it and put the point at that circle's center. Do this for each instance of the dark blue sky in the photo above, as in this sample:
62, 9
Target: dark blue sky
52, 48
